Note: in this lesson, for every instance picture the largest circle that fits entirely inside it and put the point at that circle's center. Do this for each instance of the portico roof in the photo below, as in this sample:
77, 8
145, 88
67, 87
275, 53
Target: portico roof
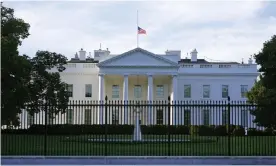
138, 57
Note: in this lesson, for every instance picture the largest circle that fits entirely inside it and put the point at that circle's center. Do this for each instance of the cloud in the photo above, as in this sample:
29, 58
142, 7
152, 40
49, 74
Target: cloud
219, 30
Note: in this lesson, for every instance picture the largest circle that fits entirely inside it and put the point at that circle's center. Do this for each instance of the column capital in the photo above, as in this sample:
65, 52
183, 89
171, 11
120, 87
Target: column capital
125, 74
101, 74
149, 74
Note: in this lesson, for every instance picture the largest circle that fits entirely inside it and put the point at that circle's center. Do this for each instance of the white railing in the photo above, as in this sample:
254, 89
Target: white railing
89, 65
224, 66
71, 65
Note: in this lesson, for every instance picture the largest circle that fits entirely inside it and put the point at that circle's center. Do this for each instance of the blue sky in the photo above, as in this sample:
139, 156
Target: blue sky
219, 30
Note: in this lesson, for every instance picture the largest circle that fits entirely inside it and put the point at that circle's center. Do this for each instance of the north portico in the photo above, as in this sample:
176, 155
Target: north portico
134, 66
139, 75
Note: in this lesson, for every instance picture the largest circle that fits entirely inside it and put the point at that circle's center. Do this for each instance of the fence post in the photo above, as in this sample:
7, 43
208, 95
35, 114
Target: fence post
46, 128
228, 124
105, 132
169, 124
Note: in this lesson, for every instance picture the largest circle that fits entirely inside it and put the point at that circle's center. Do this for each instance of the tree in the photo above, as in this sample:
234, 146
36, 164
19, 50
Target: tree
46, 87
26, 81
264, 91
15, 69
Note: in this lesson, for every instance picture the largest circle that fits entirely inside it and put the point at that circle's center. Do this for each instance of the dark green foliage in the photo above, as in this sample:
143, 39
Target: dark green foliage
26, 80
255, 132
15, 69
46, 86
220, 130
163, 129
206, 130
67, 129
238, 131
264, 91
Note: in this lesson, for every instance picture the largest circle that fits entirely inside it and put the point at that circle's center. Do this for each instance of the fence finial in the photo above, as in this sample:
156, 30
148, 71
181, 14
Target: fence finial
105, 98
169, 98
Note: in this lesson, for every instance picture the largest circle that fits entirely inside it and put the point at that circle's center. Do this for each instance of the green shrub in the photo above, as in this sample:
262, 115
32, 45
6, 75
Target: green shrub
206, 130
270, 132
255, 132
220, 130
239, 131
194, 130
14, 131
164, 129
67, 129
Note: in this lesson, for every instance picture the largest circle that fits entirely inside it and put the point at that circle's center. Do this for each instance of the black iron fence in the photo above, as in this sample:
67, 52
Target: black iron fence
140, 128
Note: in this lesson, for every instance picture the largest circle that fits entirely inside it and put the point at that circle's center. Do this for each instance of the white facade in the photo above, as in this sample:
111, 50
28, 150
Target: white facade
141, 75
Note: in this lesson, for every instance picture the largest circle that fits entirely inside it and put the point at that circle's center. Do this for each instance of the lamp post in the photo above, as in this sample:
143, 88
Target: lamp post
137, 135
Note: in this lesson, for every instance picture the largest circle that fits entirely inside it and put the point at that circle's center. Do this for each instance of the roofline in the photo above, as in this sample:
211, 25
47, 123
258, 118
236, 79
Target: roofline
134, 50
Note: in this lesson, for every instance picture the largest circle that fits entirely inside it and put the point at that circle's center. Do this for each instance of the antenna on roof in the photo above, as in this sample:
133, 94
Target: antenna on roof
100, 46
242, 60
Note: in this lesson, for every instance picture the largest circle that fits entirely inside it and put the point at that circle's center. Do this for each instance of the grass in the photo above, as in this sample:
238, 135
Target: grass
78, 146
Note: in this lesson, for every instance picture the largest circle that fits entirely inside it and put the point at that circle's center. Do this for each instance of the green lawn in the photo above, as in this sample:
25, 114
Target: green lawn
79, 146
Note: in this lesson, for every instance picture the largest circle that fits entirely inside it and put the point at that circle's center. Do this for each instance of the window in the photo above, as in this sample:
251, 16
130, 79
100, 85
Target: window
206, 117
187, 91
137, 91
70, 116
88, 90
243, 90
244, 118
206, 91
159, 117
224, 93
187, 117
70, 90
160, 91
115, 116
224, 117
115, 91
30, 120
87, 116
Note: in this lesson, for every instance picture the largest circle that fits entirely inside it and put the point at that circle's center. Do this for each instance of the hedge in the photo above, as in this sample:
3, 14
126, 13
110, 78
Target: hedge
200, 130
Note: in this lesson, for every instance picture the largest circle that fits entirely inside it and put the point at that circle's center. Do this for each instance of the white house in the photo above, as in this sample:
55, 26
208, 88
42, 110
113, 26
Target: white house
139, 74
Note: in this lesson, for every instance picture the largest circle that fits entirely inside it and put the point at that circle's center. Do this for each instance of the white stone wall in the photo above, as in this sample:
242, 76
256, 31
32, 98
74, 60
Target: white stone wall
196, 75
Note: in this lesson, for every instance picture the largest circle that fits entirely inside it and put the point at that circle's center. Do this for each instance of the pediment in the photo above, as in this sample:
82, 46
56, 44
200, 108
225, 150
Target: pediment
138, 58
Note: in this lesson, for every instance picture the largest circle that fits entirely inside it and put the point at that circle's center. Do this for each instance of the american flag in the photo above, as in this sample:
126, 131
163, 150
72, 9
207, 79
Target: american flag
141, 31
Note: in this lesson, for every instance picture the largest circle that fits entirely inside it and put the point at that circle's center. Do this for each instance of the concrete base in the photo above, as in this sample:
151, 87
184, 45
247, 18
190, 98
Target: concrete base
137, 160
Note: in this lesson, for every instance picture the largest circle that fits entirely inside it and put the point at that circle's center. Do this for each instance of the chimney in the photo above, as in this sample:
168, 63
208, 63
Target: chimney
107, 51
194, 56
76, 56
173, 52
82, 55
250, 61
98, 54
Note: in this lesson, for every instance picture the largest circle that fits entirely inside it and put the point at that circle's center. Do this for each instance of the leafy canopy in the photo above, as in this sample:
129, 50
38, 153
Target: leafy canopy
264, 91
26, 80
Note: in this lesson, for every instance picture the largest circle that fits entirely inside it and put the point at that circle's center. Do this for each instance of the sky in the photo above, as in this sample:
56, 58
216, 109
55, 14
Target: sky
219, 30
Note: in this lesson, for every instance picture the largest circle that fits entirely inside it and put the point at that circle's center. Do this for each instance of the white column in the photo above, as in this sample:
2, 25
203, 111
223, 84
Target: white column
126, 119
150, 99
101, 98
175, 117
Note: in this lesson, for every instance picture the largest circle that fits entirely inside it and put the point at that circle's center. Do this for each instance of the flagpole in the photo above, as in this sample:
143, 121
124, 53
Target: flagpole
137, 31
